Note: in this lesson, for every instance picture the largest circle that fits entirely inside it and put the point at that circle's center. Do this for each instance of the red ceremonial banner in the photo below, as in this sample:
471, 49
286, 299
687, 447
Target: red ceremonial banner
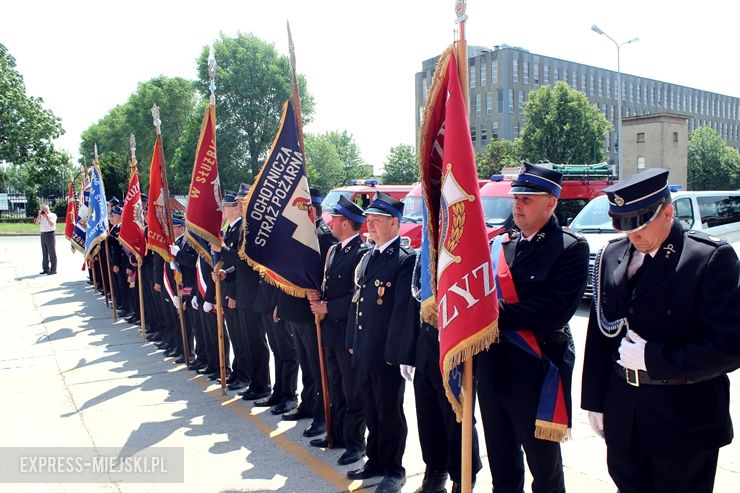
132, 219
203, 216
69, 222
467, 306
159, 237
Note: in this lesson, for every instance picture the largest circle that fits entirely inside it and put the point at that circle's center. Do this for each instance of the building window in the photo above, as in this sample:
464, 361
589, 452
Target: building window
640, 162
608, 87
471, 77
632, 92
483, 136
639, 92
489, 103
556, 73
608, 141
536, 74
515, 69
494, 71
500, 100
516, 128
494, 130
640, 137
521, 102
547, 74
526, 71
583, 82
477, 105
565, 74
483, 73
601, 86
472, 134
511, 100
591, 84
614, 115
675, 137
624, 90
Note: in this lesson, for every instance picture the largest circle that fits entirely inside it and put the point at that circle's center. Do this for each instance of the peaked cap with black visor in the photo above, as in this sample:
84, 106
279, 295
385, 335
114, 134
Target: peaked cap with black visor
537, 180
636, 201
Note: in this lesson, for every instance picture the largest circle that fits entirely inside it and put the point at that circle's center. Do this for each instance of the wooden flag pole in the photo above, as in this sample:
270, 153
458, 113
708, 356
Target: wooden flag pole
466, 466
102, 277
183, 331
110, 281
141, 302
220, 325
92, 270
299, 126
170, 230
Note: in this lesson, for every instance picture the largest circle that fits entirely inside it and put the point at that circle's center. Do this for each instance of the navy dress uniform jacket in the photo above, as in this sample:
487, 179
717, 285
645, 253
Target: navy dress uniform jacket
550, 277
686, 306
374, 331
340, 284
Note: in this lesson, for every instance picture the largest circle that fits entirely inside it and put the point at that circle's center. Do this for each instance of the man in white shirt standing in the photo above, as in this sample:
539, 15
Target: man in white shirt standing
47, 221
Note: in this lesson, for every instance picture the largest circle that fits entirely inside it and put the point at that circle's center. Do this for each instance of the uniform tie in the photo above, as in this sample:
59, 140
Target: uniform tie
632, 281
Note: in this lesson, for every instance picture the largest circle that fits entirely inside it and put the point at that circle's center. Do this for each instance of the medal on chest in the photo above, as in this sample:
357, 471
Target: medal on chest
381, 286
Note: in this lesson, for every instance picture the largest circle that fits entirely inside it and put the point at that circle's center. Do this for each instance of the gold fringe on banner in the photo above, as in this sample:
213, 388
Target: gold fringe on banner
465, 349
553, 432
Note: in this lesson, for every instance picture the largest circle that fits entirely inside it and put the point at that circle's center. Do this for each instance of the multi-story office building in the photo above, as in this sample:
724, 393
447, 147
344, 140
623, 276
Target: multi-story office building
500, 81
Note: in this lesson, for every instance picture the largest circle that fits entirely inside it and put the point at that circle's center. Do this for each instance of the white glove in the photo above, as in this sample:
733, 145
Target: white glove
174, 249
194, 302
597, 423
632, 352
176, 302
407, 372
207, 307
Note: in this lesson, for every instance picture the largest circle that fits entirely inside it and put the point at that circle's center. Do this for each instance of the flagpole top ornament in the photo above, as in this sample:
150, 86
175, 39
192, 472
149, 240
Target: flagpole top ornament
155, 116
95, 152
212, 74
460, 7
132, 145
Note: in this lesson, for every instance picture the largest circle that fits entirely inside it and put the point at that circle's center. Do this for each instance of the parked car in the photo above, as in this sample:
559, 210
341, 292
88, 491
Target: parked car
716, 213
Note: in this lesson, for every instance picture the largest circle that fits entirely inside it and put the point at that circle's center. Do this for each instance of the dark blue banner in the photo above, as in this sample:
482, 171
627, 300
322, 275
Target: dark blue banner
280, 239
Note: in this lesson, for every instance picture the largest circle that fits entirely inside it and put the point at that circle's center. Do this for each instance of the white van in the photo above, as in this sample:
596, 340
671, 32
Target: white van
716, 213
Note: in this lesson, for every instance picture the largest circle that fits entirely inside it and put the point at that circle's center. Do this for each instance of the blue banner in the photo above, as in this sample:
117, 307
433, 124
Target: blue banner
97, 218
280, 240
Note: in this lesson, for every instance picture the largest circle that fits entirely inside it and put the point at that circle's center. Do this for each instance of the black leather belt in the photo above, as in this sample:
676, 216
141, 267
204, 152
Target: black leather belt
639, 377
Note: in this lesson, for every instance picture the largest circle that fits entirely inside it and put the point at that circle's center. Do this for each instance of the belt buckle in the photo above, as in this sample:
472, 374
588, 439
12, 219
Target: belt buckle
632, 377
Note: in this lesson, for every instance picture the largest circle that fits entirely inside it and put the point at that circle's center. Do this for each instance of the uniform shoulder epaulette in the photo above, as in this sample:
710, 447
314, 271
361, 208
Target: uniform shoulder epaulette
705, 238
407, 250
575, 234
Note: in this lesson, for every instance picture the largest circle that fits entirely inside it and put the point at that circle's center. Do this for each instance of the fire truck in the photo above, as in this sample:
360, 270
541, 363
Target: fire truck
581, 183
361, 192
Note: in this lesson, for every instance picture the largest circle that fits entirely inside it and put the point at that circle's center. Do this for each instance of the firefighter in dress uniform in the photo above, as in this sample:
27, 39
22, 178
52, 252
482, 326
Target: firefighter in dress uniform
663, 333
548, 268
347, 411
374, 328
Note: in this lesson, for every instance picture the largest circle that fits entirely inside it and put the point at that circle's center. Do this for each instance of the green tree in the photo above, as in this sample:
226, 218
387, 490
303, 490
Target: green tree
252, 83
349, 153
562, 126
712, 164
401, 165
178, 102
498, 154
325, 166
27, 129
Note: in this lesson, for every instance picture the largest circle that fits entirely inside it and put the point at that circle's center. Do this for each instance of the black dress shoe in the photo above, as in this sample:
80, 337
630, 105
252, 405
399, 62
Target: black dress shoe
296, 415
365, 472
205, 370
52, 273
215, 376
251, 395
44, 272
324, 443
233, 377
391, 484
236, 385
284, 407
273, 400
172, 353
350, 457
315, 429
181, 359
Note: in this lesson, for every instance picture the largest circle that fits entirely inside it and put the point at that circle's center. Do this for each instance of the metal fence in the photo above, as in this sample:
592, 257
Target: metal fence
13, 205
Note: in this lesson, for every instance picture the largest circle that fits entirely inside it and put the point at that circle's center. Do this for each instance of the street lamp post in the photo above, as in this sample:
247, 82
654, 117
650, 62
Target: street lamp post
596, 29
